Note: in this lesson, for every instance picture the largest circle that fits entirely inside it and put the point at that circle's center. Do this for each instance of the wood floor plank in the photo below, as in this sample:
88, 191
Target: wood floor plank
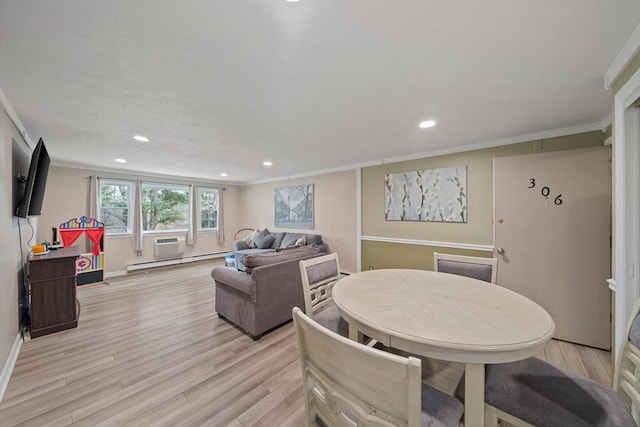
149, 350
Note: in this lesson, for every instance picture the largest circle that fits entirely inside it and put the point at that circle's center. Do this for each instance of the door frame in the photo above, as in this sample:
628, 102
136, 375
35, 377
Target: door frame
625, 210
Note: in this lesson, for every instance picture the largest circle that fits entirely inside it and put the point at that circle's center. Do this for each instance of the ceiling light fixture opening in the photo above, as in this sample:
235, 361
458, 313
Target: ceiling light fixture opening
141, 138
267, 163
224, 174
427, 124
121, 161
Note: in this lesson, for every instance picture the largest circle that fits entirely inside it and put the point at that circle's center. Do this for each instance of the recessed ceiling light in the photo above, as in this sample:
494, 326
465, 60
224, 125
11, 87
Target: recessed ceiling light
267, 163
121, 161
292, 1
141, 138
223, 174
427, 124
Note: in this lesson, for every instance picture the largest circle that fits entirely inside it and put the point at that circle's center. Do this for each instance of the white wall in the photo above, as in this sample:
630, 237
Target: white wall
67, 197
334, 211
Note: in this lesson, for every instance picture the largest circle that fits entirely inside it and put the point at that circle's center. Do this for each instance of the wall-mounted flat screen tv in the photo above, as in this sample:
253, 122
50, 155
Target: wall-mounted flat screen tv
35, 182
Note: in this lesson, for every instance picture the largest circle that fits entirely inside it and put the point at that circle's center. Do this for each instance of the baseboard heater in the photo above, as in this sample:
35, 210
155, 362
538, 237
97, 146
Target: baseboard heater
175, 261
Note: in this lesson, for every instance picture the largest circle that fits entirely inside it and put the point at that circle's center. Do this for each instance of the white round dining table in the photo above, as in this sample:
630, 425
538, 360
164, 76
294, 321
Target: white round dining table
447, 317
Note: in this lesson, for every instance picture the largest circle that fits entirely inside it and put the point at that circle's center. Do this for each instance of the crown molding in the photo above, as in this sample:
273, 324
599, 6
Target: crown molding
622, 59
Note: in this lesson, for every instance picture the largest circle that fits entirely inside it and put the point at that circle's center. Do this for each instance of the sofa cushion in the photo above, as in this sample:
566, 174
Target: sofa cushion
314, 239
242, 253
291, 238
259, 259
278, 239
264, 239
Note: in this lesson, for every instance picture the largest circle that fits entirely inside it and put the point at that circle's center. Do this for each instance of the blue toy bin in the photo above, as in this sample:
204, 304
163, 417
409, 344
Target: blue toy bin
230, 260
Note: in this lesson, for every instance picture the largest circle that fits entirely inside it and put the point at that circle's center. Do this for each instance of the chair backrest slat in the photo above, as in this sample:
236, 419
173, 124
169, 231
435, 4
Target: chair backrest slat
347, 383
626, 380
318, 277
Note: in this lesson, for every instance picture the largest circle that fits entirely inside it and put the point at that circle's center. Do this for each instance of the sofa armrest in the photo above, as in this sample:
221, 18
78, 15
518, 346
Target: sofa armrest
233, 278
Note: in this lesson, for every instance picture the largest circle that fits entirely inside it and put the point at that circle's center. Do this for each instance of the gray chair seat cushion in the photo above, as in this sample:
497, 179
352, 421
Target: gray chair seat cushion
468, 269
331, 319
545, 395
439, 409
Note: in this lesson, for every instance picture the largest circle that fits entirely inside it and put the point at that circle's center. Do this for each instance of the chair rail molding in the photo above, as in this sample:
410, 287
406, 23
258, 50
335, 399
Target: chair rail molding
454, 245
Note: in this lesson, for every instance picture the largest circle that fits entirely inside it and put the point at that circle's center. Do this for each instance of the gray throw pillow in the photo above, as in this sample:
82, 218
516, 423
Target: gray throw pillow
264, 239
290, 239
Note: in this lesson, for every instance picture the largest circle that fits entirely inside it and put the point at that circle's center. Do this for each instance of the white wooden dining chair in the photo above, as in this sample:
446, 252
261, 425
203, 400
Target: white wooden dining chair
349, 384
532, 392
476, 267
318, 275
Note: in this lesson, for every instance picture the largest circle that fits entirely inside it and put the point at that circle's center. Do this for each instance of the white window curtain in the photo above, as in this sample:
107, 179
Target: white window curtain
94, 185
194, 203
137, 218
220, 216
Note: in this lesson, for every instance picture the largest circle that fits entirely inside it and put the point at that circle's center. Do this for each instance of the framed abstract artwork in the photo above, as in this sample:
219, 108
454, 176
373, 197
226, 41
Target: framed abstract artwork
427, 195
293, 206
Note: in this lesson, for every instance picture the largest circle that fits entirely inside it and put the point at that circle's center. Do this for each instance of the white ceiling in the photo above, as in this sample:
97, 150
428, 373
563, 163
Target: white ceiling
220, 86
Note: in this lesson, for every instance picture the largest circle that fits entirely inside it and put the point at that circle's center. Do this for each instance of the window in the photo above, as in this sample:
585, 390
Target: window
165, 207
208, 203
115, 206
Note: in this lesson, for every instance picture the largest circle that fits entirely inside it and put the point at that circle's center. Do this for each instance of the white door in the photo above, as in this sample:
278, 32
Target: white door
552, 228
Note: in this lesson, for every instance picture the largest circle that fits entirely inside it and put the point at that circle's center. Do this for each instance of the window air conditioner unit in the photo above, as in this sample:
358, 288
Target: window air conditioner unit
166, 247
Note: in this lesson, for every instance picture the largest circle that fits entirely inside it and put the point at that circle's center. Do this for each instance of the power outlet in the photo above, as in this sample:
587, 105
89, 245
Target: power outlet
371, 267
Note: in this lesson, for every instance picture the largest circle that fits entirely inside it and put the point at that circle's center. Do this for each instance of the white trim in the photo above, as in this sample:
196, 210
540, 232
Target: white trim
115, 274
9, 365
553, 133
626, 292
6, 105
177, 261
622, 59
452, 245
358, 219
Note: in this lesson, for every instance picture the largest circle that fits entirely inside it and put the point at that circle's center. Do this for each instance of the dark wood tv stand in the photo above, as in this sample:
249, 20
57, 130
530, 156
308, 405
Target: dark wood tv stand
52, 280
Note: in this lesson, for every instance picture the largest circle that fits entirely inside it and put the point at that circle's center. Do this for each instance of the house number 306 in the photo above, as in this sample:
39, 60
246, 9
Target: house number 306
545, 191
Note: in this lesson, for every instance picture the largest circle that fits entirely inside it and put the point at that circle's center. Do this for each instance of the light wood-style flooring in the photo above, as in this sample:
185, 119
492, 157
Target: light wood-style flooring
150, 350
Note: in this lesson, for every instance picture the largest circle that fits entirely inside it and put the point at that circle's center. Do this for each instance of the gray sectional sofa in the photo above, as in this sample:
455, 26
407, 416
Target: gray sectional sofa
262, 297
262, 241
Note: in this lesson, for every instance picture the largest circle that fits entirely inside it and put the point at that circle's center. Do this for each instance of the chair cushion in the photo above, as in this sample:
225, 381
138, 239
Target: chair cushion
331, 319
439, 409
545, 395
468, 269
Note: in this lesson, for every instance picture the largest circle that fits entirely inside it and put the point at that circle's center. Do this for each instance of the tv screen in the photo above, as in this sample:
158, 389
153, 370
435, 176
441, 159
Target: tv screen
36, 181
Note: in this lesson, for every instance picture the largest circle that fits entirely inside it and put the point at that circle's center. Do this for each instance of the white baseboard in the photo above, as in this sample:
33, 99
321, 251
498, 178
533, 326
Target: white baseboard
115, 274
177, 261
9, 365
